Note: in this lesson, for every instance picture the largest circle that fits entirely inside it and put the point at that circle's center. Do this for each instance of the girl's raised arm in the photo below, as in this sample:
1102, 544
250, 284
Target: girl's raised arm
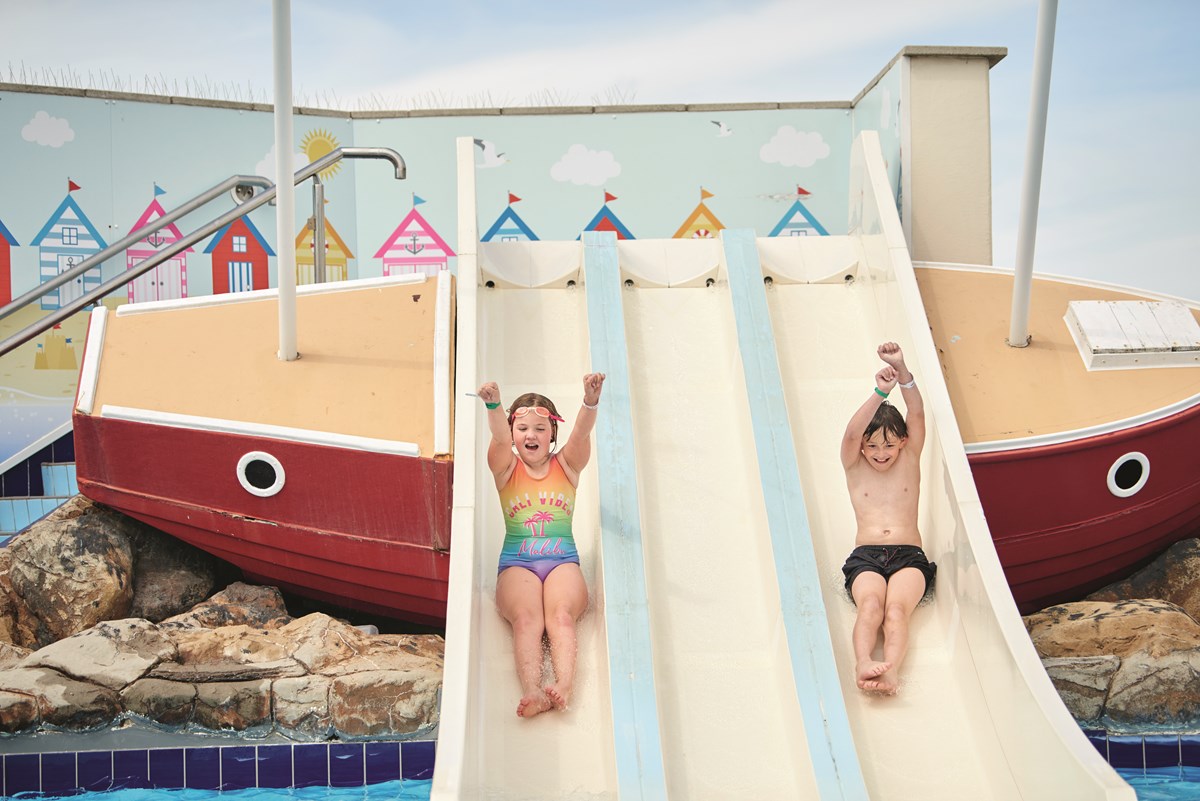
500, 453
577, 452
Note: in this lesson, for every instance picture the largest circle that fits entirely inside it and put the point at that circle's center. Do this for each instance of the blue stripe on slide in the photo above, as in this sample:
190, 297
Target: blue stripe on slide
830, 744
639, 761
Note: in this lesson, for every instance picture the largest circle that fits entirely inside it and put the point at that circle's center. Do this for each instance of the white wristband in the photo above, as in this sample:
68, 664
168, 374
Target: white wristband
909, 385
593, 408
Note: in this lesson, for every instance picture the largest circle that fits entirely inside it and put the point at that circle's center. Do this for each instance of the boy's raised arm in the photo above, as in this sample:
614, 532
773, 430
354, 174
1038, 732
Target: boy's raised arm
914, 404
885, 379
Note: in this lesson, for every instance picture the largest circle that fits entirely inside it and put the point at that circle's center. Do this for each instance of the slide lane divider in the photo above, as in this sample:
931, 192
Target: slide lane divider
818, 689
638, 746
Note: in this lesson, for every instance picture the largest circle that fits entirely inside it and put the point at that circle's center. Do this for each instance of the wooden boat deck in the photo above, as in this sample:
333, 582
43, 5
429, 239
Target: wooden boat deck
1002, 393
365, 366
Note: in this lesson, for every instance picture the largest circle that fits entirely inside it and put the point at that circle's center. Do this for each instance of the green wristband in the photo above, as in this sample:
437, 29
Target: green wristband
880, 392
491, 406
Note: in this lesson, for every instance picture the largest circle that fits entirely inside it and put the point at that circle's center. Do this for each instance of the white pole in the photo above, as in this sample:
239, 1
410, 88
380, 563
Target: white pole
285, 199
1031, 183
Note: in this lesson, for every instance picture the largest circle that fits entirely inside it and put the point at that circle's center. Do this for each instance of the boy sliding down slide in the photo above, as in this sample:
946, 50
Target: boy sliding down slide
887, 573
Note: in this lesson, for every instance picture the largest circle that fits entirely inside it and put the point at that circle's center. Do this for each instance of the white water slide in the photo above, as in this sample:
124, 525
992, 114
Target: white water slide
715, 660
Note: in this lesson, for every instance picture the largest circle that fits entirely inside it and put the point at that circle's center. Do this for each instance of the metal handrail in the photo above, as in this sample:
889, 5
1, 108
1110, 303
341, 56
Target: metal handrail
232, 184
48, 322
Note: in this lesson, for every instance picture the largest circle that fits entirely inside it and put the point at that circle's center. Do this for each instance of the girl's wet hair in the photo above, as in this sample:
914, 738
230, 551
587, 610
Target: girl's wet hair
534, 399
888, 418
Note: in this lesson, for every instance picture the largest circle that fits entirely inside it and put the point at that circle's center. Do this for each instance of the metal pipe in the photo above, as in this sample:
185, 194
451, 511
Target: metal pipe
261, 199
318, 237
97, 259
1031, 182
281, 17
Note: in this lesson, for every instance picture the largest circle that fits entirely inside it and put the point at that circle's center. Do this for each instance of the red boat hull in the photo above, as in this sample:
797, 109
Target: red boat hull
364, 530
1059, 531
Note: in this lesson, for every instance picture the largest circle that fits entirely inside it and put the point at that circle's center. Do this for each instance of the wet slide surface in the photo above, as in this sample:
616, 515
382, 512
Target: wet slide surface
933, 740
536, 340
730, 720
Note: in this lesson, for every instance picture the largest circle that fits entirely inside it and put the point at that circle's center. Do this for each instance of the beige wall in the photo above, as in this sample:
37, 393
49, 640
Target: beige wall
947, 165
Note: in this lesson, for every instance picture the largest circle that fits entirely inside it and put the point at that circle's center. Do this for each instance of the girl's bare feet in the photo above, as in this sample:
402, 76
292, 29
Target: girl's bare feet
533, 704
558, 696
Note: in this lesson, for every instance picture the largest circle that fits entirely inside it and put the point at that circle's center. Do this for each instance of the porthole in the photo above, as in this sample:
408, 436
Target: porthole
1128, 474
260, 474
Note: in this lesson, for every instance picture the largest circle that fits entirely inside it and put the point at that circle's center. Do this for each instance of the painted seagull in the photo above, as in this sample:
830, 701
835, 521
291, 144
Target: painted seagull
722, 128
490, 157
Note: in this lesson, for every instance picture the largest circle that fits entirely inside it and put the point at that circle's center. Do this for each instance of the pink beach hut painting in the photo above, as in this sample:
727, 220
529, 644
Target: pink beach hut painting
167, 281
414, 247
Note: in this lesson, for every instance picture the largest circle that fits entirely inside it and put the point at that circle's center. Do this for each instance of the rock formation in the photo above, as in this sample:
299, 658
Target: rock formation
103, 619
1130, 663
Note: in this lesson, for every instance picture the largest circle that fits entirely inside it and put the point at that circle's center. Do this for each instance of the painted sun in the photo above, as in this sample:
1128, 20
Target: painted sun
318, 143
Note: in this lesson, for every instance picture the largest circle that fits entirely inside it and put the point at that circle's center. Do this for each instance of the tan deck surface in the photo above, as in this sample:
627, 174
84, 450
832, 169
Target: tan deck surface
365, 366
1002, 393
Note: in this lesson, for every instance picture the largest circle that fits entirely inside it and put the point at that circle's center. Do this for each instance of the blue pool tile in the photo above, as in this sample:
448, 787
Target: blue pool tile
382, 762
346, 765
310, 765
1189, 750
22, 773
166, 768
131, 769
274, 766
1099, 739
416, 759
202, 768
1126, 752
1162, 751
239, 767
8, 520
58, 773
95, 770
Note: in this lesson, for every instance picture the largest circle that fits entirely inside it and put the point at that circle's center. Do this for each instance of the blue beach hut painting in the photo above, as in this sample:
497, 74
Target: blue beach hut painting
799, 221
509, 227
67, 239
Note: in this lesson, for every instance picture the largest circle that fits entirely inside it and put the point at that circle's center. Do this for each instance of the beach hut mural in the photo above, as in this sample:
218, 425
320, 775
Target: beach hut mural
414, 247
67, 239
509, 227
7, 243
167, 281
239, 258
337, 255
701, 223
799, 221
606, 220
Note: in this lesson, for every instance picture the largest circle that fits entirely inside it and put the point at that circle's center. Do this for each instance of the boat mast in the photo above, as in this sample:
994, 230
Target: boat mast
285, 198
1031, 183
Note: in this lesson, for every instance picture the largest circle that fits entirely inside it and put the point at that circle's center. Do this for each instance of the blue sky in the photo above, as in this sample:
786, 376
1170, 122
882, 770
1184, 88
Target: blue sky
1118, 196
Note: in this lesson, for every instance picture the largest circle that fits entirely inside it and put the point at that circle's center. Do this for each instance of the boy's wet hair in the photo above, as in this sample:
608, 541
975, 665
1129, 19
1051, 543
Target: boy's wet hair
534, 399
888, 418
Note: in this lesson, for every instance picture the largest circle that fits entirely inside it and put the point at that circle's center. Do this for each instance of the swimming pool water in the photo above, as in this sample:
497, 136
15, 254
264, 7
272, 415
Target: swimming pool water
401, 790
1179, 783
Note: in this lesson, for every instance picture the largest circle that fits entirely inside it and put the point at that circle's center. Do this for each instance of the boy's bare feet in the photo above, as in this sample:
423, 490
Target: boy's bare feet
868, 676
533, 704
558, 696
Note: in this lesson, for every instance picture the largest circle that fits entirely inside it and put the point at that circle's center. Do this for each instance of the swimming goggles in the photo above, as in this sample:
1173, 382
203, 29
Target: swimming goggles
540, 411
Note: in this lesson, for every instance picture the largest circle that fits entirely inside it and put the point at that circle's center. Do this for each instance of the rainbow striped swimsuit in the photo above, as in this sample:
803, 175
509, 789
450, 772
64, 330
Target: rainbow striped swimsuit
537, 520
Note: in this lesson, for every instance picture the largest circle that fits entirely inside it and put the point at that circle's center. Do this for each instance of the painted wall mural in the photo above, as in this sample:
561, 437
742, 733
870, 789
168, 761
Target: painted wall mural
780, 172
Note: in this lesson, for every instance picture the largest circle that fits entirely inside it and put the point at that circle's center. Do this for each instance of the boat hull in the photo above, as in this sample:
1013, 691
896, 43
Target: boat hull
365, 530
1060, 532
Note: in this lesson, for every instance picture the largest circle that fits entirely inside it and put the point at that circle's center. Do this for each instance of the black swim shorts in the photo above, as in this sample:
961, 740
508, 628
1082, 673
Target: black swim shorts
886, 560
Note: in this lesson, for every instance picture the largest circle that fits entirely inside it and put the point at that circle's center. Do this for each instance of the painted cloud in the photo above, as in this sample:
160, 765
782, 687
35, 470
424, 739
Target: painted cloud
793, 148
266, 167
47, 131
582, 166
